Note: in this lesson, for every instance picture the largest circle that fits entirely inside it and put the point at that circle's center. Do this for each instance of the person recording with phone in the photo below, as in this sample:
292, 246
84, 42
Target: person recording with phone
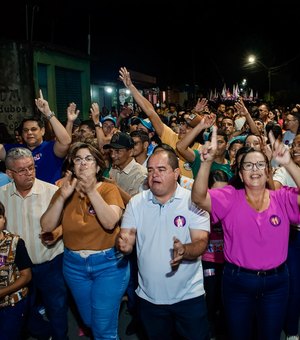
89, 210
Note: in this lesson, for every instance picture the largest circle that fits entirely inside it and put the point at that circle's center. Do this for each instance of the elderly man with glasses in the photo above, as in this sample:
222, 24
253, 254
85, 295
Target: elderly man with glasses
25, 199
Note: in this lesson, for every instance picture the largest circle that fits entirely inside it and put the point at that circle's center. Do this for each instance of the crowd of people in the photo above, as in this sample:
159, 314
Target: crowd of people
191, 214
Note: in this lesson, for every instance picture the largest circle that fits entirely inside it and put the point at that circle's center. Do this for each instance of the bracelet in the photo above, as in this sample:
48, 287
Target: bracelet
99, 124
52, 114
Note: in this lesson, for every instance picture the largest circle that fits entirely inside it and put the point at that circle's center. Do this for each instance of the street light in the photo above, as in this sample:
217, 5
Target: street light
252, 60
271, 70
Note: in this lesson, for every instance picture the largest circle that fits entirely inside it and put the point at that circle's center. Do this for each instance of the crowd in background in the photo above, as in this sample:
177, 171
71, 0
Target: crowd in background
91, 201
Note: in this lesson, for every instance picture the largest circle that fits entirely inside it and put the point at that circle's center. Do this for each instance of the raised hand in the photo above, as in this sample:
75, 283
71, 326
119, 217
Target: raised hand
209, 149
201, 105
42, 104
208, 121
85, 184
241, 108
72, 113
281, 153
68, 185
95, 112
125, 76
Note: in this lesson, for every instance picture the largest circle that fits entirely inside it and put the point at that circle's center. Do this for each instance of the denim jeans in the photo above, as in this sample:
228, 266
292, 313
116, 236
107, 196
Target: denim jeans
187, 319
293, 262
255, 302
12, 320
48, 280
98, 283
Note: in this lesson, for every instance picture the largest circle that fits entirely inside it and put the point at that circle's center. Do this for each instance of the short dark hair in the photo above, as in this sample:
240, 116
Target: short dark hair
220, 132
143, 135
217, 176
173, 158
89, 123
39, 121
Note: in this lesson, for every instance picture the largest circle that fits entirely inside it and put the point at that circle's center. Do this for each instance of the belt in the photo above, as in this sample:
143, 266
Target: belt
257, 272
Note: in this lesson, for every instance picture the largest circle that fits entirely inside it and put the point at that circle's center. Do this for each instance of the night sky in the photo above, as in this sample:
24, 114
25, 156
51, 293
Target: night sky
202, 42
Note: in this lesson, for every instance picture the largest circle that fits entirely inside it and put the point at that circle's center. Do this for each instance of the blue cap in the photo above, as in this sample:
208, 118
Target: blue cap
146, 122
109, 117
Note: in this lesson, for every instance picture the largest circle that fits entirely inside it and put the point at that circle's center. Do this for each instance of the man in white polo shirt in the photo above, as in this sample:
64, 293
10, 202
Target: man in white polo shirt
170, 235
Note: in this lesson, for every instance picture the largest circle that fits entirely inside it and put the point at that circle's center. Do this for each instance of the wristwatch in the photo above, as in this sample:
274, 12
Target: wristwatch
99, 124
52, 114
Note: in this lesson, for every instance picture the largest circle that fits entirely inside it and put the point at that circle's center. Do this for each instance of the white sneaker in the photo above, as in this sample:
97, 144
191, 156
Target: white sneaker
292, 337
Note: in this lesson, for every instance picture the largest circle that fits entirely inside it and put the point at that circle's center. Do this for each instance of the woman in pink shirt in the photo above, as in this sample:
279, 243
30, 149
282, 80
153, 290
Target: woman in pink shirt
256, 224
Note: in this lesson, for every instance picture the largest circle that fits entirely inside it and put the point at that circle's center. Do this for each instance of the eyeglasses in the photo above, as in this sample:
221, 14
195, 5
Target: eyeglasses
24, 171
87, 159
248, 166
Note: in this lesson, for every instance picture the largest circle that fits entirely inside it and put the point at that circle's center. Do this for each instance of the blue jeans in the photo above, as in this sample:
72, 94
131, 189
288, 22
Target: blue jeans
98, 283
187, 319
254, 302
293, 262
12, 320
49, 282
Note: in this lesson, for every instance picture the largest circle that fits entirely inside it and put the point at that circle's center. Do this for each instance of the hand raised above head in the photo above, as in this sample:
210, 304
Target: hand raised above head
42, 104
125, 76
281, 153
95, 112
72, 113
209, 149
201, 105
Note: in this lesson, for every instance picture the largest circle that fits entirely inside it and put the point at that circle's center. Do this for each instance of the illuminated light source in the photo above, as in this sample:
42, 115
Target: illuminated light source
253, 60
108, 89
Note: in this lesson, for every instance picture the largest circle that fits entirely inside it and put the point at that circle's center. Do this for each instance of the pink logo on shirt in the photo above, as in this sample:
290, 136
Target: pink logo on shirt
179, 221
275, 220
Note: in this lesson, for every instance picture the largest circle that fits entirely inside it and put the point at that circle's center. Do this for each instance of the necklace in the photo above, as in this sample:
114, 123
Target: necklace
260, 204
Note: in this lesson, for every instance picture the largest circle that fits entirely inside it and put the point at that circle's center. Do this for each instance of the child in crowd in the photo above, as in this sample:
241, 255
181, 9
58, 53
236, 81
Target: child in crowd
15, 269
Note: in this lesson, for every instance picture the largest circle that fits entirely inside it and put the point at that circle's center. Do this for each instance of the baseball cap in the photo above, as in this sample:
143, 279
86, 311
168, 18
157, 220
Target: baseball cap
111, 118
120, 140
146, 122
